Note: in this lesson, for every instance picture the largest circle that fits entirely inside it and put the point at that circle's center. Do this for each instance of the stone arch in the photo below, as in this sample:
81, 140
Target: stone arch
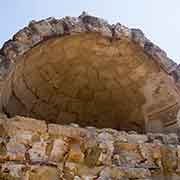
83, 70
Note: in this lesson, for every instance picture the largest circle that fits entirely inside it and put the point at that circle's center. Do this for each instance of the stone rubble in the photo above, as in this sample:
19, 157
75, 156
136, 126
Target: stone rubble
31, 149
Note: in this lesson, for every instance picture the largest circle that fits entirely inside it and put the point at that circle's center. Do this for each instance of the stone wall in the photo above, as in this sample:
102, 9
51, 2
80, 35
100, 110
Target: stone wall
31, 149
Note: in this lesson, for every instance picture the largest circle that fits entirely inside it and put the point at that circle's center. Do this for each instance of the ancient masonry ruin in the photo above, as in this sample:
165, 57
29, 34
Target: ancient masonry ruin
81, 99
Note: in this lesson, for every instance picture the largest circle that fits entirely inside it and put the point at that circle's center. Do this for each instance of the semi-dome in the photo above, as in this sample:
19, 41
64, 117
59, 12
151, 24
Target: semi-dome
86, 71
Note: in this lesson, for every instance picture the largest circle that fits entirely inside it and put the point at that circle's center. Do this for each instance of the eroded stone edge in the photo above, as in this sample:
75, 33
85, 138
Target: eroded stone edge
38, 31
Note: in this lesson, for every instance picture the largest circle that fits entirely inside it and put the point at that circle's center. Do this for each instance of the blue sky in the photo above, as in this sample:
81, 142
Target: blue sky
159, 19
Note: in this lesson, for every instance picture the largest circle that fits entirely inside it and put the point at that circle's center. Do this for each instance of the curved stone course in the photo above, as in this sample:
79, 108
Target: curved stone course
38, 31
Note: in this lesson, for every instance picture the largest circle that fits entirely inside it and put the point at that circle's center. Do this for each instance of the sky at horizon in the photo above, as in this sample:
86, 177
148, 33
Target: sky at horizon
158, 19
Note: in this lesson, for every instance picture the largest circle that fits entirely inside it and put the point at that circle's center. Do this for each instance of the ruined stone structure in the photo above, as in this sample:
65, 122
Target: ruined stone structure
110, 80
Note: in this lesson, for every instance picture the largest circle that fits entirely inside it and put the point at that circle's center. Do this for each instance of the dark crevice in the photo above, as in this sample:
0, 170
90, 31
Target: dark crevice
4, 110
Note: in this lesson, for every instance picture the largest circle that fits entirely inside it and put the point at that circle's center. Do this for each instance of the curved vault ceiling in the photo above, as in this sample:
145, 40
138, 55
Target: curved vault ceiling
85, 79
113, 78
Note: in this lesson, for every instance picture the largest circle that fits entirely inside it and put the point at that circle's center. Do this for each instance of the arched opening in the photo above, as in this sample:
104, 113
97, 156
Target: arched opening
85, 79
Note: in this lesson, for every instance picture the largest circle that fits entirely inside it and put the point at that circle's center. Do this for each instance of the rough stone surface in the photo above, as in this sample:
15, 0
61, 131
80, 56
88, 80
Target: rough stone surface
67, 152
89, 76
